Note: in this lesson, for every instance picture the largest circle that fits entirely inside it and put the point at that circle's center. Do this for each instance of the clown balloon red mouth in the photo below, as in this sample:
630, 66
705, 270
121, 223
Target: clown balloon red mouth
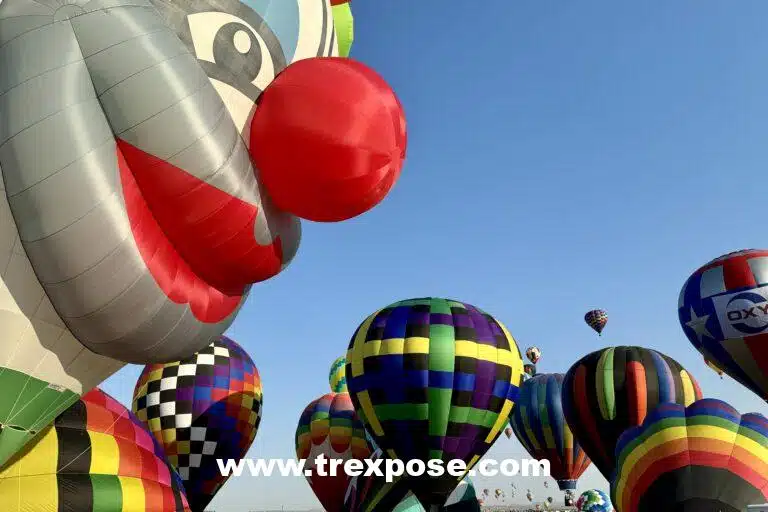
196, 240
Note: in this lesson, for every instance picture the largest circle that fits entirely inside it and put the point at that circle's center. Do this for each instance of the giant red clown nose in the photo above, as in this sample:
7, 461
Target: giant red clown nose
328, 138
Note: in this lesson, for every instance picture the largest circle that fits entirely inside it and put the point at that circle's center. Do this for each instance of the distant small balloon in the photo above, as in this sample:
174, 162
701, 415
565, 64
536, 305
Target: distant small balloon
596, 319
594, 500
337, 377
533, 354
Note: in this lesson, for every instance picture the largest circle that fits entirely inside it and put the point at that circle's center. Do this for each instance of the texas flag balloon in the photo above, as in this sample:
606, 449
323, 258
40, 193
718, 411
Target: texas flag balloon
133, 220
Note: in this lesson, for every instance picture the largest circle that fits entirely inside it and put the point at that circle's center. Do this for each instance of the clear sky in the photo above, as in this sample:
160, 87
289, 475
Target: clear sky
562, 156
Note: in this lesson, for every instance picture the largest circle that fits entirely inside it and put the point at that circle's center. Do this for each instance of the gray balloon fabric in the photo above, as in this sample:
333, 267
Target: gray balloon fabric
132, 222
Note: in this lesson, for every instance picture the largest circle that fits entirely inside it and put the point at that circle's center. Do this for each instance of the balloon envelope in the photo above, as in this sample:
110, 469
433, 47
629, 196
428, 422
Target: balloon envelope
434, 379
533, 354
723, 310
329, 426
594, 501
135, 235
613, 389
706, 457
201, 409
540, 426
596, 319
337, 377
96, 457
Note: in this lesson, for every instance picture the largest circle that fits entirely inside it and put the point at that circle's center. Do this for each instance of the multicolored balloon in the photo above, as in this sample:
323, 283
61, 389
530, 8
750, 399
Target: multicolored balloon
594, 500
434, 379
329, 427
540, 426
139, 234
613, 389
96, 457
337, 377
596, 319
201, 409
533, 354
530, 370
703, 457
723, 310
345, 25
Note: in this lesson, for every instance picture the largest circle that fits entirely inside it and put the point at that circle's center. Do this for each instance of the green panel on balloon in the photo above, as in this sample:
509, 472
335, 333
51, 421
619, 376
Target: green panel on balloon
107, 492
344, 23
27, 405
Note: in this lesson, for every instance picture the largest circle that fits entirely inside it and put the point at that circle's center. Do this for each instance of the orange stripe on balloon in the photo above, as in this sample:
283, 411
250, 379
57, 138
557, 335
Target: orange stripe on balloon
636, 389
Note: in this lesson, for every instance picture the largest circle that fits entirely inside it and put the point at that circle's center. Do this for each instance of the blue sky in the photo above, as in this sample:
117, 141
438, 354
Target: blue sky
562, 156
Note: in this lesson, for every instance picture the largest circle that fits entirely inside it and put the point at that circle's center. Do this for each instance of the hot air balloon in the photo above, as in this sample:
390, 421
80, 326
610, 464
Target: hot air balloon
550, 500
136, 235
345, 25
596, 319
329, 427
95, 457
540, 426
704, 457
714, 367
337, 378
595, 501
508, 432
546, 484
414, 366
529, 495
723, 310
613, 389
533, 354
570, 498
529, 369
201, 409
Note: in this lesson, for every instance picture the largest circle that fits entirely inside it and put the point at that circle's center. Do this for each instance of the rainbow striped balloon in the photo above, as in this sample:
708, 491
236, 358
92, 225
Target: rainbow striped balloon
96, 457
329, 426
613, 389
704, 457
337, 377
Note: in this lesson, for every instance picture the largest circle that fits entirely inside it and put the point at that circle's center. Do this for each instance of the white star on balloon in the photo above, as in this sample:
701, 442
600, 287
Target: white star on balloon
699, 325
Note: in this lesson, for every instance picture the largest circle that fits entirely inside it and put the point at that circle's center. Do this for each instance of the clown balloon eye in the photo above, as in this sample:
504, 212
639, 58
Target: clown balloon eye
242, 41
232, 51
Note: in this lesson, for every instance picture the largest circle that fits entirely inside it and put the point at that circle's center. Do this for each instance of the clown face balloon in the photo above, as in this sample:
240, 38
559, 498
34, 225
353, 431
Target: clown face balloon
132, 220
